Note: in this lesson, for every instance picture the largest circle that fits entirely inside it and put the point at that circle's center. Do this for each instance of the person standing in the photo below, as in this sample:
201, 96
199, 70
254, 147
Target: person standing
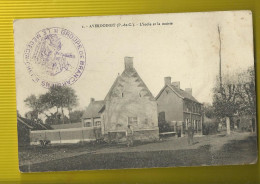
129, 136
190, 134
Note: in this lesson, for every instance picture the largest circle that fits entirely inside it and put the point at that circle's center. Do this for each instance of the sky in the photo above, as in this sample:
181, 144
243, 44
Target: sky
187, 50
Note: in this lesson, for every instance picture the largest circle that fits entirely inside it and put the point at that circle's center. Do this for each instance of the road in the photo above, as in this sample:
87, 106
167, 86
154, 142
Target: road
238, 148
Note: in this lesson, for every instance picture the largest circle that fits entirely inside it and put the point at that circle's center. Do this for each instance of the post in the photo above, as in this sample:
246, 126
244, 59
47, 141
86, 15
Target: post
220, 76
201, 125
228, 125
182, 130
82, 135
60, 136
92, 121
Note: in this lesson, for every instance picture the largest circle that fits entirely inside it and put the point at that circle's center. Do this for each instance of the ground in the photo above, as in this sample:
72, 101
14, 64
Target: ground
237, 148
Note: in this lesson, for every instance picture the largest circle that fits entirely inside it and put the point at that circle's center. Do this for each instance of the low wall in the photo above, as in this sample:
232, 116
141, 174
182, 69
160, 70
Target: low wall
147, 135
73, 135
139, 135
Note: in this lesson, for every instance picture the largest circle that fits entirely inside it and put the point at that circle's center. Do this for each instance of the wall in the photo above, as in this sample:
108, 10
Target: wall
66, 126
136, 101
171, 104
118, 111
73, 135
92, 121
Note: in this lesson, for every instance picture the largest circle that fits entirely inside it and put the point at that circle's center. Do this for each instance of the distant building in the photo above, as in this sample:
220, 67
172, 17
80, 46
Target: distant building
92, 115
244, 123
25, 126
177, 108
128, 102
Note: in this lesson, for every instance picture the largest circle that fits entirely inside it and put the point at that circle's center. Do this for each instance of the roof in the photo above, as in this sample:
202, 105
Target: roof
92, 111
121, 82
33, 125
181, 93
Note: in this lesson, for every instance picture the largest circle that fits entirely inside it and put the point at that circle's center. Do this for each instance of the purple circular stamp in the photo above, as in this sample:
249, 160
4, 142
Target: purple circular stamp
55, 56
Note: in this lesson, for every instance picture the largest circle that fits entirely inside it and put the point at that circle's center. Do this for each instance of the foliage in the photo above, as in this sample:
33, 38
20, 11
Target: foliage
208, 110
247, 93
56, 118
236, 95
75, 116
59, 97
224, 99
210, 127
36, 107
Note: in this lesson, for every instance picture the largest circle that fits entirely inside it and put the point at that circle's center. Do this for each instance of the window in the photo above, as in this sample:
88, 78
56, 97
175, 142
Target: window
87, 124
132, 121
97, 123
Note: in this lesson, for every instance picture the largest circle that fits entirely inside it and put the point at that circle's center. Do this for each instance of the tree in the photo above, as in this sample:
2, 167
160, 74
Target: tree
225, 100
209, 110
247, 92
34, 103
236, 96
75, 116
60, 97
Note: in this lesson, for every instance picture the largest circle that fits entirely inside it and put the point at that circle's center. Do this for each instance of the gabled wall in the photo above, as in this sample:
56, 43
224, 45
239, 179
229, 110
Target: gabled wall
129, 97
170, 103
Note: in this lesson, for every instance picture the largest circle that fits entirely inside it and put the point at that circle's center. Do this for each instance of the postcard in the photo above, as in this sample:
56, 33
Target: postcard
135, 91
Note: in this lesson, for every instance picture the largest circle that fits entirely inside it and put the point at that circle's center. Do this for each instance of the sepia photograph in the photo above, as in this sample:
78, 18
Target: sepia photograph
135, 91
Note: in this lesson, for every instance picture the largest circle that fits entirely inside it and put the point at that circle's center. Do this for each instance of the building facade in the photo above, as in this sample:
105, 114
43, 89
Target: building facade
92, 115
177, 108
128, 102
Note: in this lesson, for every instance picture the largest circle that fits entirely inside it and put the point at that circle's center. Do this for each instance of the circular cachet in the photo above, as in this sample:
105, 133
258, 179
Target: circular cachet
55, 56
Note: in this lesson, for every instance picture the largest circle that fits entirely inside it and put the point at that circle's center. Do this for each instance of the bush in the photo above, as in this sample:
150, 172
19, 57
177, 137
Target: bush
164, 127
210, 127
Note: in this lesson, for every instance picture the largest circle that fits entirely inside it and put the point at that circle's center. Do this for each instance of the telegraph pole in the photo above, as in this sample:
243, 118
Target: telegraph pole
220, 79
220, 76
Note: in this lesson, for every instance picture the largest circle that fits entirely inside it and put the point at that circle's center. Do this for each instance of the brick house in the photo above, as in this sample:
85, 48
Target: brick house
128, 102
177, 107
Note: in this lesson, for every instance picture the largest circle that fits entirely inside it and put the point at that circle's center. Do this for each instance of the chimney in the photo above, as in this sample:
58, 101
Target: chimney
177, 84
167, 80
189, 90
92, 100
129, 62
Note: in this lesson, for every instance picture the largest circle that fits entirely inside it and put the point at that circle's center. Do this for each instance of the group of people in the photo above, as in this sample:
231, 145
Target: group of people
130, 135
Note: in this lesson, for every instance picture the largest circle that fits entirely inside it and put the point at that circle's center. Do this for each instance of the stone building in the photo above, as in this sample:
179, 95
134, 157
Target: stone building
177, 107
128, 102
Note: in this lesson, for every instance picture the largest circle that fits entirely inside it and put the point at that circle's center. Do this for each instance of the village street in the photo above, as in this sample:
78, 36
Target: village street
206, 150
